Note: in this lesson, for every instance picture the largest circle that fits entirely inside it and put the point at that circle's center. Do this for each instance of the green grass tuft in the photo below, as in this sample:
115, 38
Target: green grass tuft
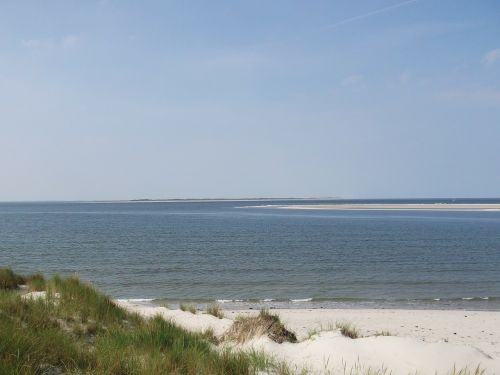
188, 307
215, 310
36, 282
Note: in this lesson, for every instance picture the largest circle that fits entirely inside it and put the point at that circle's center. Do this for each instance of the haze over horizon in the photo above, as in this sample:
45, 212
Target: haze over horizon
110, 100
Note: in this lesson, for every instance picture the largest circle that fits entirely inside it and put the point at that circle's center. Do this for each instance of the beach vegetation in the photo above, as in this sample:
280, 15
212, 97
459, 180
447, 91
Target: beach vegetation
188, 307
35, 282
383, 333
215, 310
75, 329
9, 279
347, 329
467, 371
312, 332
246, 328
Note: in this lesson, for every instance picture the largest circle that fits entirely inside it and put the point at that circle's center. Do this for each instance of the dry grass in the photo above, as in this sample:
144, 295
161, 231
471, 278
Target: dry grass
246, 328
467, 371
215, 310
383, 333
347, 329
313, 332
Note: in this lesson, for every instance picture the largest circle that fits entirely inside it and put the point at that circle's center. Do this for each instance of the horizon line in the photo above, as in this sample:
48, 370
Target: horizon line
219, 199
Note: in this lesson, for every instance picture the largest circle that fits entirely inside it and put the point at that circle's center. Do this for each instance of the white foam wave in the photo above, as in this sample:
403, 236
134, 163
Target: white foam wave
136, 300
302, 300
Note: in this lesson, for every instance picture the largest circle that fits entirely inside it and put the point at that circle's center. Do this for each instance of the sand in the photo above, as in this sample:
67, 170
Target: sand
423, 341
194, 322
395, 206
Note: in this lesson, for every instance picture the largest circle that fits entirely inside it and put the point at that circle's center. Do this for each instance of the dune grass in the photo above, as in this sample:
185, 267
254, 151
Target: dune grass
35, 282
347, 329
247, 327
467, 371
383, 333
77, 330
9, 279
188, 307
215, 310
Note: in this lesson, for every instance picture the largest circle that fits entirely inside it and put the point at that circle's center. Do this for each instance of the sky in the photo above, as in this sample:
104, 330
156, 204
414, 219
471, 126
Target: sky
209, 99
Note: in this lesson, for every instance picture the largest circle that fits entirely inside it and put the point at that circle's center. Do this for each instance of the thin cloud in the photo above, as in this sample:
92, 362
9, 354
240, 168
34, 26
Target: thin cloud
70, 41
37, 43
67, 41
352, 80
492, 57
370, 14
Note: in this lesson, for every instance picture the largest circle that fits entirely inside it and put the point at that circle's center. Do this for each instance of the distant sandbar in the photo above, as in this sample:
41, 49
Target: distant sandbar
397, 206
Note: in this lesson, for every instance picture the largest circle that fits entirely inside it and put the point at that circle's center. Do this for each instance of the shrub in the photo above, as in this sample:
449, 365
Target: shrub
9, 279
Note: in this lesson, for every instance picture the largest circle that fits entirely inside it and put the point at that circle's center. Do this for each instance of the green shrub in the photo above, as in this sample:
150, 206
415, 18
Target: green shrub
9, 279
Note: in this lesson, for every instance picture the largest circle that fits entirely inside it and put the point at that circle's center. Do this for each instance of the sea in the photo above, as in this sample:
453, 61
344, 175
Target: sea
252, 254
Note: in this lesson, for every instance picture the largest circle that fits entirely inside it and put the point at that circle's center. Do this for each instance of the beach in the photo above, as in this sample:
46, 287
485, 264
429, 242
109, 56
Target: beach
399, 341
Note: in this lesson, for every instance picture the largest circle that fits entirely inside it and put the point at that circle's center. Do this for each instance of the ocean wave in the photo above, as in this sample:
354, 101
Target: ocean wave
137, 300
333, 301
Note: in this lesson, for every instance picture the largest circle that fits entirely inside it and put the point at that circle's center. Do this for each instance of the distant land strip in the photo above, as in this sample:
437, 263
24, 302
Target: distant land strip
393, 206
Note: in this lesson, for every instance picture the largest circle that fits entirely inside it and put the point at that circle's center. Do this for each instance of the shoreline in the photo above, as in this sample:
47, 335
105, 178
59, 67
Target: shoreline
432, 304
439, 339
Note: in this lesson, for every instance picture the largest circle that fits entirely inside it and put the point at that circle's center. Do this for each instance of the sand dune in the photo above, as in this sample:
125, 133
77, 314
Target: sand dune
423, 341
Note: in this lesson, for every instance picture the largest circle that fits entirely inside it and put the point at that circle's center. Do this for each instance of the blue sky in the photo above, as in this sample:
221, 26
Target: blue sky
160, 99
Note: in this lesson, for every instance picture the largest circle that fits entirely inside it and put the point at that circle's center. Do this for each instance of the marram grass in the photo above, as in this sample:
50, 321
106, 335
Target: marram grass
78, 330
215, 310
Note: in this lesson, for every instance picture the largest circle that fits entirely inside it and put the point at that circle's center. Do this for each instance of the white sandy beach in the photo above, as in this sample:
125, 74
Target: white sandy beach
423, 341
392, 206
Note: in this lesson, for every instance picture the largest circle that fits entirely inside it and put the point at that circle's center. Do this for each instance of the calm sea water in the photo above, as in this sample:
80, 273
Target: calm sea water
252, 256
